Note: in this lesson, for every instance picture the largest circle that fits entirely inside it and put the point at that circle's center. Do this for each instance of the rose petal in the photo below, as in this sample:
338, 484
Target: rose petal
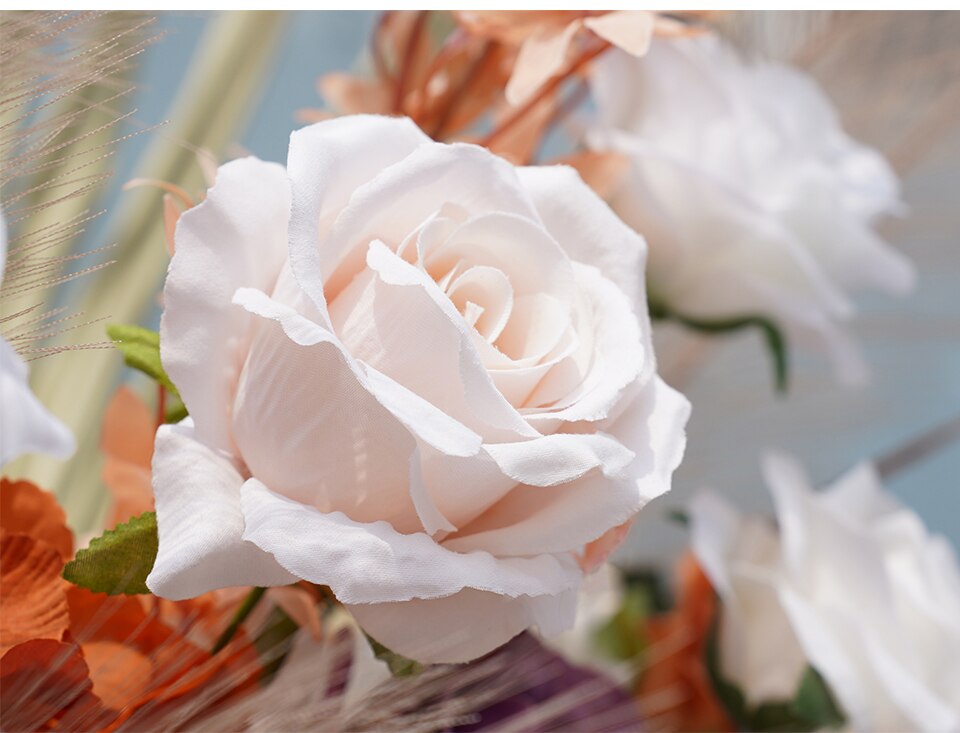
566, 517
373, 563
463, 626
400, 198
26, 426
457, 379
32, 605
541, 56
236, 237
586, 228
630, 30
200, 523
326, 163
27, 509
43, 679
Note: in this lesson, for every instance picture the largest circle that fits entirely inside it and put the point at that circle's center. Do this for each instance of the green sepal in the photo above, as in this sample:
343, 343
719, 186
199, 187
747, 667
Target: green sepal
813, 707
141, 351
118, 561
399, 665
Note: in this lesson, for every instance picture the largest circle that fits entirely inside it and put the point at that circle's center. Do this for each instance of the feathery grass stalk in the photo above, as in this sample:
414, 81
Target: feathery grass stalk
227, 75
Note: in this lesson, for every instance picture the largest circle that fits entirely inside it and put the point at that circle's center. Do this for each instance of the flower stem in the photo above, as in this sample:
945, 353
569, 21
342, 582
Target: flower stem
409, 54
245, 609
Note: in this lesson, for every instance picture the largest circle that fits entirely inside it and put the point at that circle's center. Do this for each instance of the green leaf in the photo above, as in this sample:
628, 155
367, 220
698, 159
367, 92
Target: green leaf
815, 703
141, 351
118, 561
773, 338
274, 642
812, 707
622, 637
399, 665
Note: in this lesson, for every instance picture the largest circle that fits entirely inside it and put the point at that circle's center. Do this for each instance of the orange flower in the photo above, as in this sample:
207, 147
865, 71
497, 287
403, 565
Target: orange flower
127, 444
547, 38
675, 687
77, 660
444, 90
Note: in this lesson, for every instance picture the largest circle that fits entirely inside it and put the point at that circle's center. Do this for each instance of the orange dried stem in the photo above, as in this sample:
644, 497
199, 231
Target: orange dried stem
161, 405
472, 75
409, 54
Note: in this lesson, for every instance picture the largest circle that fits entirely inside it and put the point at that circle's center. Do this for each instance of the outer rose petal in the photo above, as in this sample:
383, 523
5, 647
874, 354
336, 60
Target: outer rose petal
237, 237
565, 518
326, 163
25, 424
373, 563
463, 626
199, 521
586, 228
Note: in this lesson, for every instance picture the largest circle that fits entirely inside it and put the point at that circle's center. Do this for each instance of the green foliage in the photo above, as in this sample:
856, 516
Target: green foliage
399, 665
274, 642
141, 351
622, 638
773, 338
812, 707
119, 561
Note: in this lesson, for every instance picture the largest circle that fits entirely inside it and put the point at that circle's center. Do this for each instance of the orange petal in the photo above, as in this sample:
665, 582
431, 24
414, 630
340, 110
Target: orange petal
32, 603
596, 552
602, 171
630, 30
299, 605
542, 56
44, 680
130, 489
128, 429
27, 509
120, 674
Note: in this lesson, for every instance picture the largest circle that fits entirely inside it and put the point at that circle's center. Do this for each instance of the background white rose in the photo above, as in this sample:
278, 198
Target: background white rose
26, 426
851, 584
753, 199
431, 404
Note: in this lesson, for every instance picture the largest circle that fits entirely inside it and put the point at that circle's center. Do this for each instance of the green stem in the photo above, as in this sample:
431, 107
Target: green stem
775, 342
245, 609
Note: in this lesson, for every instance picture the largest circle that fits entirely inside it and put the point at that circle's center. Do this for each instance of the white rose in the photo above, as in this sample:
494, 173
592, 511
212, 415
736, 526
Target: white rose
431, 404
25, 424
752, 198
852, 584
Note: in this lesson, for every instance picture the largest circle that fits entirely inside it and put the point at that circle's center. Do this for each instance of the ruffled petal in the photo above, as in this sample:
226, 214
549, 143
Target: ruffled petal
26, 426
326, 163
463, 626
566, 517
199, 521
237, 237
373, 563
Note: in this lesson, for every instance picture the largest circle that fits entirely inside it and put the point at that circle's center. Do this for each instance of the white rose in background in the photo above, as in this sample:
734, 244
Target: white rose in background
432, 404
25, 424
752, 198
852, 584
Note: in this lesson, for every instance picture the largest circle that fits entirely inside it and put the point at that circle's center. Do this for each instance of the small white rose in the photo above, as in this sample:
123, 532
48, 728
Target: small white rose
753, 199
852, 584
416, 374
26, 426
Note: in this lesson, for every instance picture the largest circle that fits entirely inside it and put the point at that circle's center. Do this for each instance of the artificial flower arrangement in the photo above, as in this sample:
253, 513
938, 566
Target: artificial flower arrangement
405, 401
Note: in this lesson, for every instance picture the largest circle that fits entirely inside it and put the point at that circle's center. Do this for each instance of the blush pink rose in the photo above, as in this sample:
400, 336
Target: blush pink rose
416, 374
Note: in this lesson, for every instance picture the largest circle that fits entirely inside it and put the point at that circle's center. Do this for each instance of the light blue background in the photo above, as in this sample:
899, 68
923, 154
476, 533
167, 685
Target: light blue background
913, 344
